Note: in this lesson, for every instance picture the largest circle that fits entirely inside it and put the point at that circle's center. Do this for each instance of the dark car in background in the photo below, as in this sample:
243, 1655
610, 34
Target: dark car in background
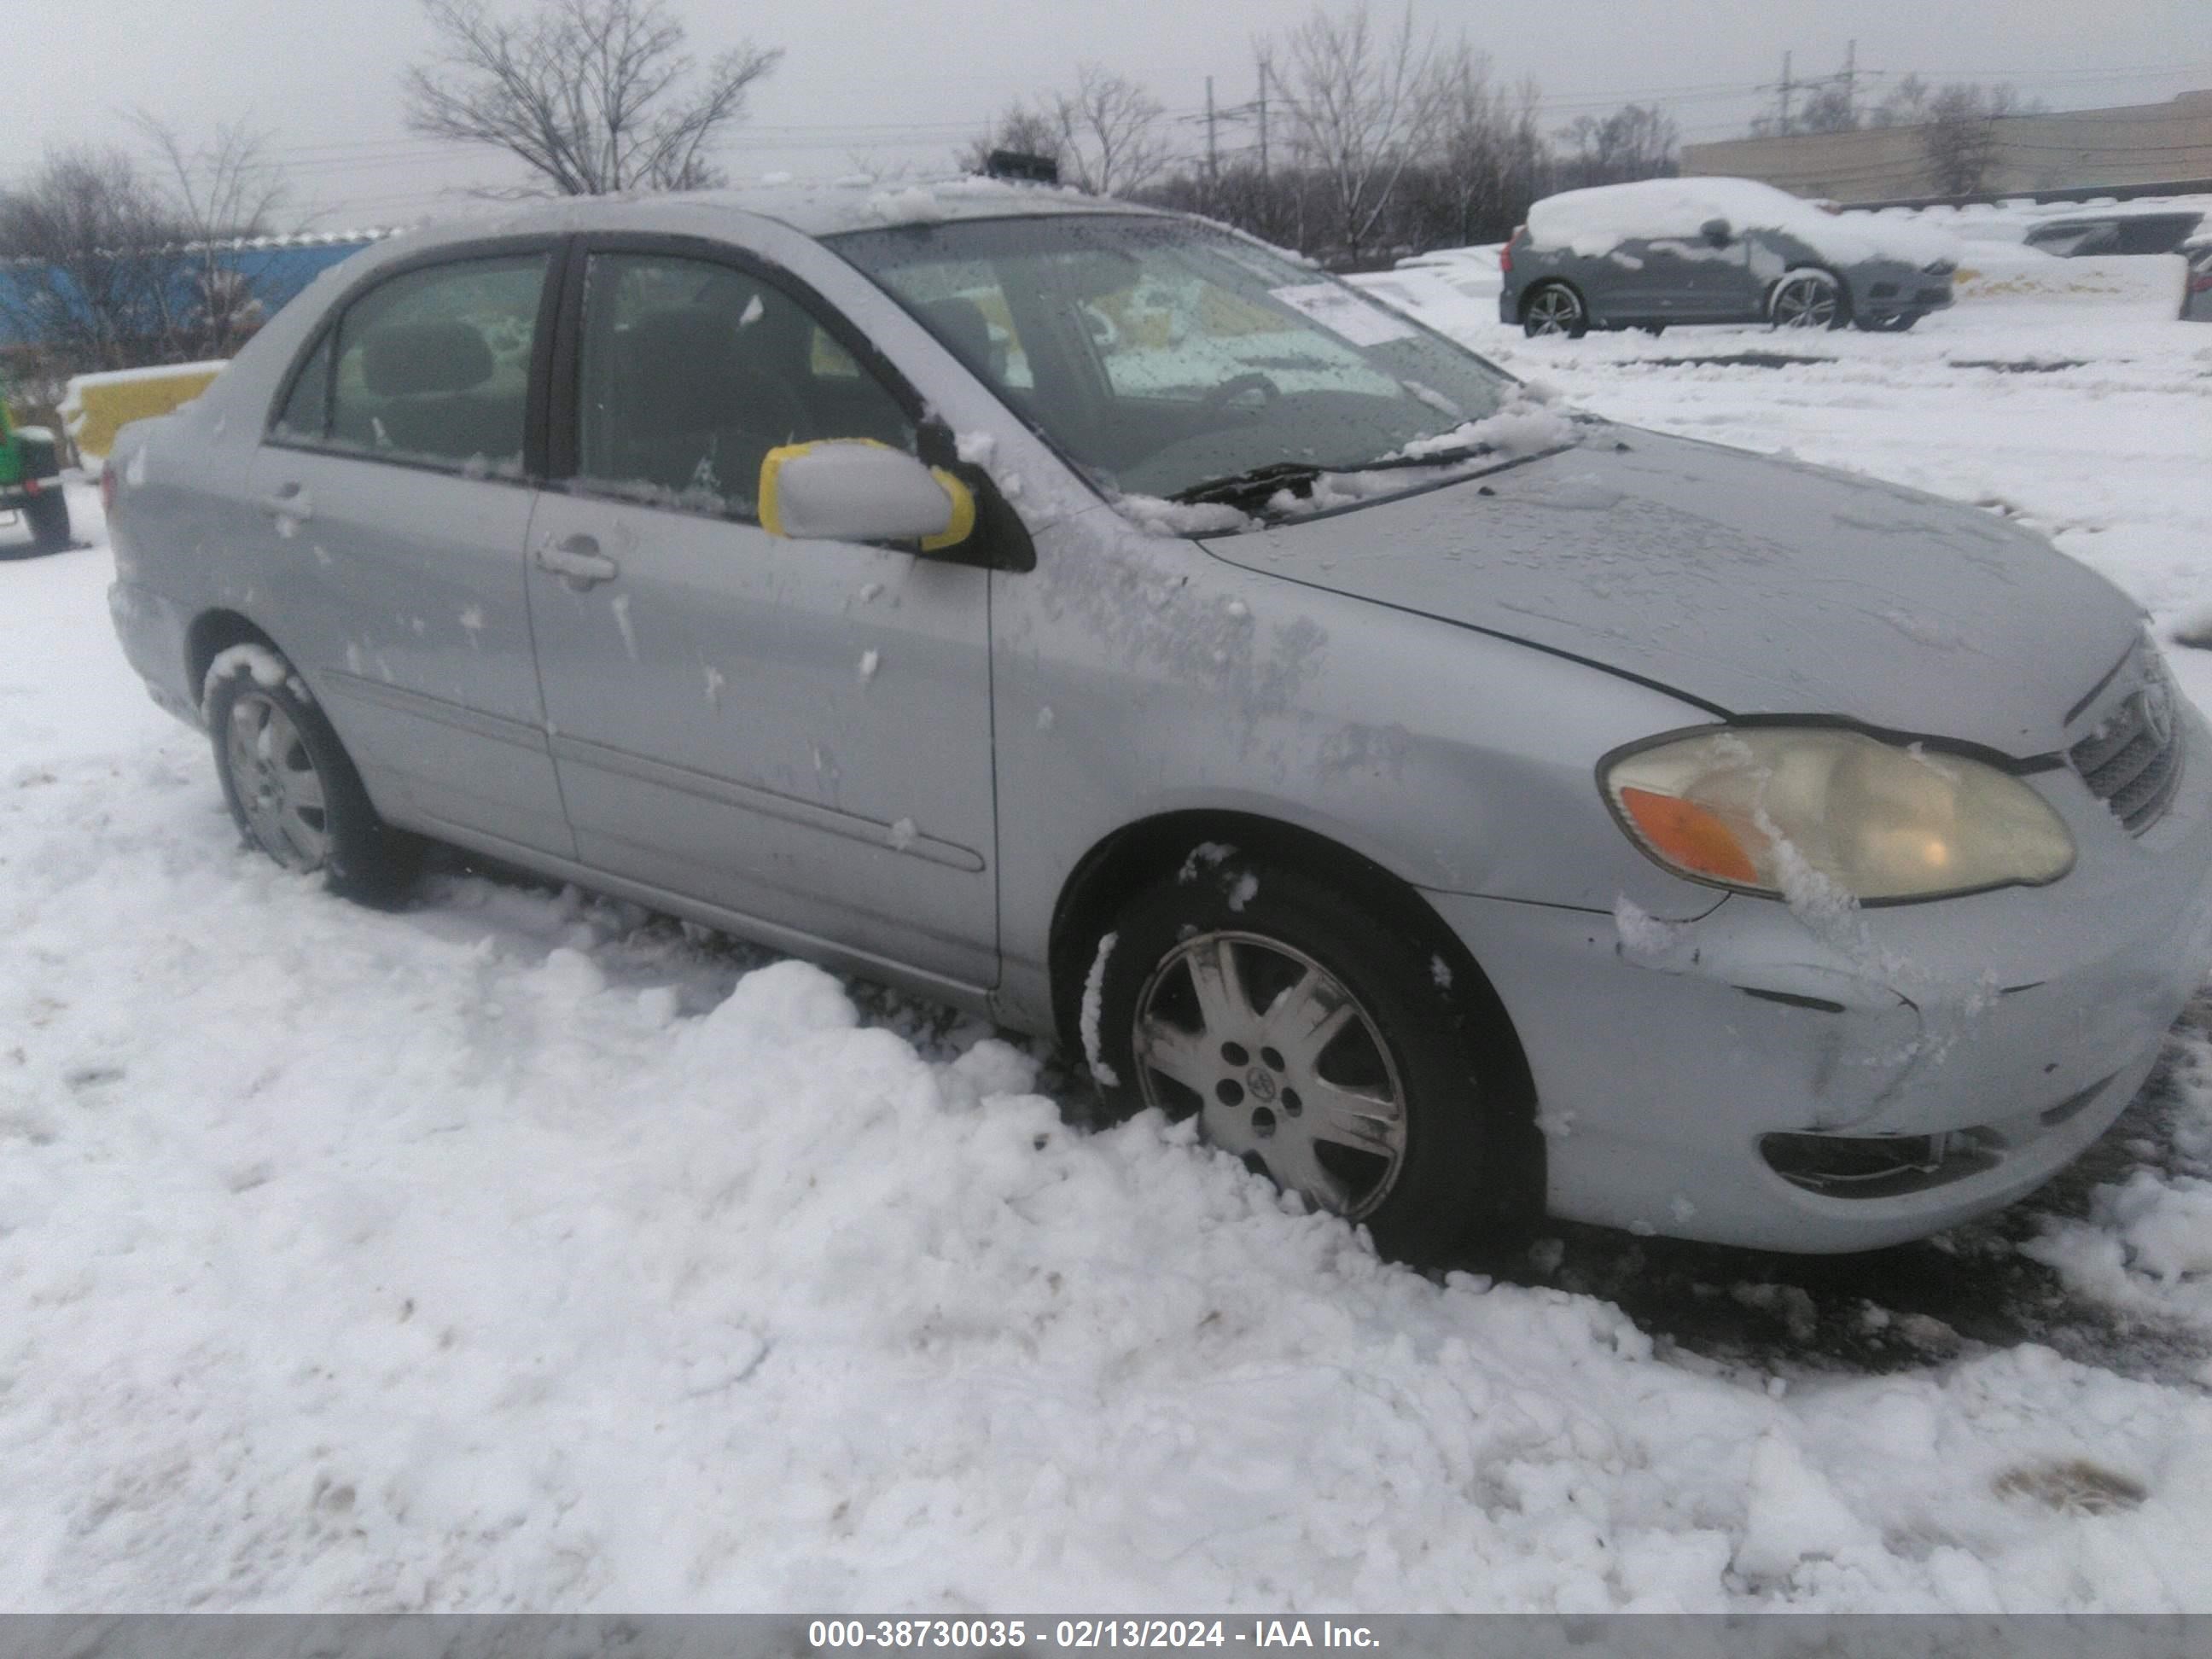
2116, 231
1666, 251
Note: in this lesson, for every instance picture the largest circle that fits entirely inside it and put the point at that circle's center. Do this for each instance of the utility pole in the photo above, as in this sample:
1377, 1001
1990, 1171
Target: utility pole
1263, 117
1781, 126
1850, 81
1212, 154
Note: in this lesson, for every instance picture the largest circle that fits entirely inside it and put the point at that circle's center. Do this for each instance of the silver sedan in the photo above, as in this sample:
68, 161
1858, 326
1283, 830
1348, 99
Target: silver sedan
1464, 809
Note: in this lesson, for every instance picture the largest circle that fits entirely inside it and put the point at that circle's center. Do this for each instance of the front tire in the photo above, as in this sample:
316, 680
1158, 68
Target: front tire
1896, 323
293, 791
1310, 1037
1553, 308
1808, 298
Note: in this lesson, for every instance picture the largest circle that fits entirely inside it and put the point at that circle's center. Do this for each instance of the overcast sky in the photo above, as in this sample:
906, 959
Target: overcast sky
891, 86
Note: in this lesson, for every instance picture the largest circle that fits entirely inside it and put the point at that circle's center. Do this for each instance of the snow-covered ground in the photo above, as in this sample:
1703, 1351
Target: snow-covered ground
518, 1250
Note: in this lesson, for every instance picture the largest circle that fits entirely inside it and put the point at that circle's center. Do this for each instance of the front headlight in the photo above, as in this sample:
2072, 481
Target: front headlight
1750, 807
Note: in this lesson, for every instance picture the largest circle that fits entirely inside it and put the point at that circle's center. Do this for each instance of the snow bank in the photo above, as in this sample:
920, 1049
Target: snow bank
2011, 271
521, 1251
1473, 269
1436, 300
1593, 222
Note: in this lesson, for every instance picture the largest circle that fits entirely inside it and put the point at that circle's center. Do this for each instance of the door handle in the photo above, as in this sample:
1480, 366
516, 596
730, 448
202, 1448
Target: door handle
292, 502
578, 562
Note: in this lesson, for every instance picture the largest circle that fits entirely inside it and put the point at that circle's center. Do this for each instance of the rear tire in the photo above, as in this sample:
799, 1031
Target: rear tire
47, 516
1206, 1005
295, 793
1553, 308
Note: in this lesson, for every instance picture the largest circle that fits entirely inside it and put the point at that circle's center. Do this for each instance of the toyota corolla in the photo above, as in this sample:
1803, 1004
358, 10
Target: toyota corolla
1462, 809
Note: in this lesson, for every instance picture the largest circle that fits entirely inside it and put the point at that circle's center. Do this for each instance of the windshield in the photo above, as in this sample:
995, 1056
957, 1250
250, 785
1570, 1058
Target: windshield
1161, 354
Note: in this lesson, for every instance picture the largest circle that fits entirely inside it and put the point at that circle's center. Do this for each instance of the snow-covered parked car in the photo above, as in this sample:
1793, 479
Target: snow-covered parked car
2196, 279
1665, 250
1457, 808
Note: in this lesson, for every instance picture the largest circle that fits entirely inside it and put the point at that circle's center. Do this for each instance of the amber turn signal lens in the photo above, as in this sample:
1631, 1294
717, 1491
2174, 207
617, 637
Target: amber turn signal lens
1689, 836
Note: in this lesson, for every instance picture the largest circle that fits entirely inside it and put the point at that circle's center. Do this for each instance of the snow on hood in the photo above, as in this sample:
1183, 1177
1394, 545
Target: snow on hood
1591, 223
1752, 586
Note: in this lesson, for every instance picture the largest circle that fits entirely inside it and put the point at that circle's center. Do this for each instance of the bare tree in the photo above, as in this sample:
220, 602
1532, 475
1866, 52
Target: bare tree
1030, 131
1362, 107
1904, 104
1831, 108
1109, 134
90, 239
593, 96
220, 193
1638, 141
1489, 160
1959, 135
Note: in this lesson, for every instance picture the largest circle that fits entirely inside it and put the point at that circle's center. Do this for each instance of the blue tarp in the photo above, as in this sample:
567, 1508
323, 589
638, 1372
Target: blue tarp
276, 274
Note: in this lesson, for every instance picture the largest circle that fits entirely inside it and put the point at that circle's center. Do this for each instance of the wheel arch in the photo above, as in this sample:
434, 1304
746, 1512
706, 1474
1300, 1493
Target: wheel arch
1538, 285
1150, 850
213, 632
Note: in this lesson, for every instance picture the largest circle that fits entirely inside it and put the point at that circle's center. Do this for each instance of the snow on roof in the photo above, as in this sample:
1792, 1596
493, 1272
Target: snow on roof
1594, 221
817, 209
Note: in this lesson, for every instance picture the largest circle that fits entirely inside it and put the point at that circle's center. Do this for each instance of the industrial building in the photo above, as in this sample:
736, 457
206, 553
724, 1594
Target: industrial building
2133, 150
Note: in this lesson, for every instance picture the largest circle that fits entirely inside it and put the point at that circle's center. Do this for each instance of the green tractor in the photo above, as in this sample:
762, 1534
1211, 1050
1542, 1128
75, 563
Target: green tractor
30, 482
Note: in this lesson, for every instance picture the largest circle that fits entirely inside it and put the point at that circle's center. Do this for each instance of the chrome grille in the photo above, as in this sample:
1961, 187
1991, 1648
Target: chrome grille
2132, 761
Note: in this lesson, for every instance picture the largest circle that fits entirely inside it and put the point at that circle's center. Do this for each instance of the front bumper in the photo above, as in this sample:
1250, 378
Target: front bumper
1898, 292
2015, 1024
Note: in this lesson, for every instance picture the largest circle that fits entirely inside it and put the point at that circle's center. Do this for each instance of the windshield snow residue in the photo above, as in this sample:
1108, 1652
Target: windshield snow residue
1164, 356
1527, 425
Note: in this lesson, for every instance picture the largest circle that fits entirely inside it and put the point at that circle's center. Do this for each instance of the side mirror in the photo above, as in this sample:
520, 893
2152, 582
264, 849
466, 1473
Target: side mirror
1716, 231
855, 489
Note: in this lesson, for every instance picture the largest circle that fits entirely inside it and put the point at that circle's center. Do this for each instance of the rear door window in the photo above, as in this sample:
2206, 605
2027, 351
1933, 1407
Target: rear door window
433, 367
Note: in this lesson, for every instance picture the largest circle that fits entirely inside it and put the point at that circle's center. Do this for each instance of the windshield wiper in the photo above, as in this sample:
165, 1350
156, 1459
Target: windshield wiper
1255, 486
1252, 490
1433, 457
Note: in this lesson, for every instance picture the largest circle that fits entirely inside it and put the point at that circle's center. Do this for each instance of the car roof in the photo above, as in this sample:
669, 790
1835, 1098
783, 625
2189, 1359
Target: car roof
812, 209
2113, 215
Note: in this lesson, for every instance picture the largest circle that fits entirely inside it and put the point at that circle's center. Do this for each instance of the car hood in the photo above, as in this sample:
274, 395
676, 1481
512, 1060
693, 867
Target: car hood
1753, 585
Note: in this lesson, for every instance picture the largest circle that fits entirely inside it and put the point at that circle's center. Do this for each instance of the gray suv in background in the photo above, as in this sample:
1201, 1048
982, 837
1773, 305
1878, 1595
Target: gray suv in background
1715, 251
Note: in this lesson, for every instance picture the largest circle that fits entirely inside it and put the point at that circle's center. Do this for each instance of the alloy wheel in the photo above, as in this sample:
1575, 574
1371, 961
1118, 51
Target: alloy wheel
1554, 311
1283, 1065
1806, 302
279, 789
